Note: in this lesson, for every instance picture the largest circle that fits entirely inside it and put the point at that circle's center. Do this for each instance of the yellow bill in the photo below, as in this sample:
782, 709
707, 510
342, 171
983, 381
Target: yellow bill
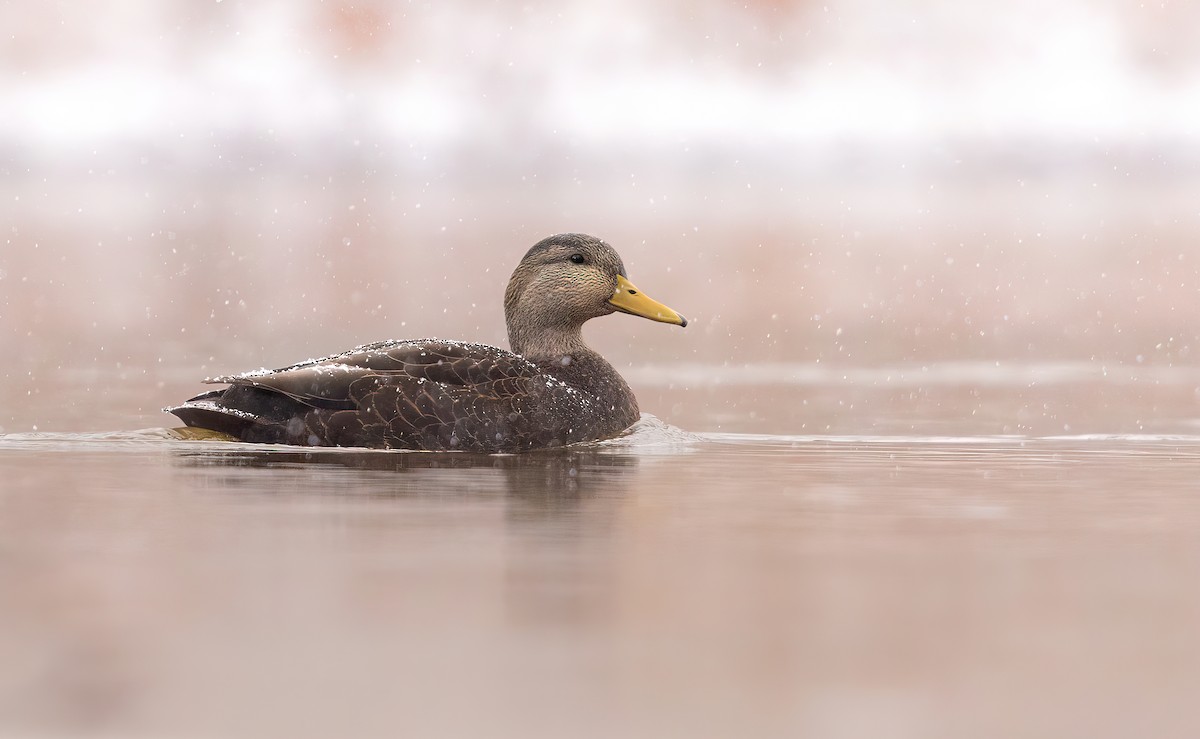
628, 299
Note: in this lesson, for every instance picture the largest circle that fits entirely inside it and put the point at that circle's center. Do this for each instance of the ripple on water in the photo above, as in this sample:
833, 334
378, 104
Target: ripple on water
651, 435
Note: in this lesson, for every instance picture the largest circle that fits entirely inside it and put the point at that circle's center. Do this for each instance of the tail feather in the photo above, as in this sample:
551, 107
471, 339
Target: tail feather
244, 411
207, 414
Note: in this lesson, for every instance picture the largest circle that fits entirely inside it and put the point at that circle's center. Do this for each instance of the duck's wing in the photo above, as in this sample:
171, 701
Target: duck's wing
424, 394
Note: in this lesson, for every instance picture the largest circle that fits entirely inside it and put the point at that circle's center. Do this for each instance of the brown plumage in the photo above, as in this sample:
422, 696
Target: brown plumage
448, 395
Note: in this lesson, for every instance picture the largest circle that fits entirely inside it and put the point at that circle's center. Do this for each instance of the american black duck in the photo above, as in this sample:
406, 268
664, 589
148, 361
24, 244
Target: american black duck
551, 389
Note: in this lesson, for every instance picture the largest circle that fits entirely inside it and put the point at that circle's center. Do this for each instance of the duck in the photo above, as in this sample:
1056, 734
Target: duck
550, 390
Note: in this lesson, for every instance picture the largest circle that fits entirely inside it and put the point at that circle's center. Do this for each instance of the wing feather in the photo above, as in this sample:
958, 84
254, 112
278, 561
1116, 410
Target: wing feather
426, 394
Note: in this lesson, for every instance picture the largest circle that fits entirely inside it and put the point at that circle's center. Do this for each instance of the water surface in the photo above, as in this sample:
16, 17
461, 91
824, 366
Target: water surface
664, 584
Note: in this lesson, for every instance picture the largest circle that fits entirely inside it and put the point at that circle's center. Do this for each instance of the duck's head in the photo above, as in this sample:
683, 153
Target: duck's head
562, 282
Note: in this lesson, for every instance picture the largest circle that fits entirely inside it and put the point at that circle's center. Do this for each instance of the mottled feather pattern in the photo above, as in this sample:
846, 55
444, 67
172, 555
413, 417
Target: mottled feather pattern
422, 394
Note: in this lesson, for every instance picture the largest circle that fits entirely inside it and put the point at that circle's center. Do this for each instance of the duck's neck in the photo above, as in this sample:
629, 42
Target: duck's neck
547, 343
562, 353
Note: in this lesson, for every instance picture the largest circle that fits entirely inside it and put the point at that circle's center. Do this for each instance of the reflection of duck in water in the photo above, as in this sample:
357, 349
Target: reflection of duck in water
547, 482
449, 395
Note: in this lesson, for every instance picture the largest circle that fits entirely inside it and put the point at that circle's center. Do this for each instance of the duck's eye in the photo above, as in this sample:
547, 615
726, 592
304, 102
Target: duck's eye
578, 258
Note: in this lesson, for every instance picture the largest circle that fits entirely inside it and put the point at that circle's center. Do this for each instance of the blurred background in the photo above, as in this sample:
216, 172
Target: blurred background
192, 188
897, 227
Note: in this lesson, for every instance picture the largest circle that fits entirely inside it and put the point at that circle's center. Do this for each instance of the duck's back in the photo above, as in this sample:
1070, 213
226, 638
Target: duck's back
427, 394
